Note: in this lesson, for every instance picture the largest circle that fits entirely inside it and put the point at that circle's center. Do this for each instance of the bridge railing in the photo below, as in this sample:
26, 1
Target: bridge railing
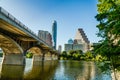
15, 20
8, 15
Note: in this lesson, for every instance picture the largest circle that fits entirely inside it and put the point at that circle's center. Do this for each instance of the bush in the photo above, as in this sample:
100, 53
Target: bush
29, 55
1, 54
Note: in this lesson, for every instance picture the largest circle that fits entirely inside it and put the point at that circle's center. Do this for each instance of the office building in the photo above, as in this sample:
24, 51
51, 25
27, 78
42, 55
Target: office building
80, 42
54, 34
45, 36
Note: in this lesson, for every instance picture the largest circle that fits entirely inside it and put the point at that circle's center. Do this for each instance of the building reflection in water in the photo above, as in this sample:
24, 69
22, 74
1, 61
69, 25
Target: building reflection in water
88, 71
79, 70
75, 70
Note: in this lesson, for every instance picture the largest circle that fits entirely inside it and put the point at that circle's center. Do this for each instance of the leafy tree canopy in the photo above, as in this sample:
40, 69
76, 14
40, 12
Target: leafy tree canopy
109, 27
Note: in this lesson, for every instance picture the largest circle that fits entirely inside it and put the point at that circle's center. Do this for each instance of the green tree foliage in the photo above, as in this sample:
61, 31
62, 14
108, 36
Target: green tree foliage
109, 28
63, 56
1, 54
79, 55
88, 55
29, 55
71, 55
76, 55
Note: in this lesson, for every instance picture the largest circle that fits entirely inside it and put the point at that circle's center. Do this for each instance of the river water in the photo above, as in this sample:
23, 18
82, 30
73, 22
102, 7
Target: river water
54, 70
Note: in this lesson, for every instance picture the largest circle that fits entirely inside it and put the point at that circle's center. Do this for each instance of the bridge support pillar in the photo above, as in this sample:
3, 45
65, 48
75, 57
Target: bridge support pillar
48, 56
54, 57
13, 59
37, 59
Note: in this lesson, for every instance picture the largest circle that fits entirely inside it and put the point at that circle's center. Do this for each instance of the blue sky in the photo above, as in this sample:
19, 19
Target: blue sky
69, 14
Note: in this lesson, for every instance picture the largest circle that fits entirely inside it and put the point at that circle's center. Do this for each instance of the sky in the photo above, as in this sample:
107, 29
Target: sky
69, 14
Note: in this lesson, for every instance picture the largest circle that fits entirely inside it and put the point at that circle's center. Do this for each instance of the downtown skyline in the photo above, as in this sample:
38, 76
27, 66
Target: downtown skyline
69, 14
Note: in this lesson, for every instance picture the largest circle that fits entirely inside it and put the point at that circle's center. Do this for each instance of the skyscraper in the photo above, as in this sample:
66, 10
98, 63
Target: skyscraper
54, 34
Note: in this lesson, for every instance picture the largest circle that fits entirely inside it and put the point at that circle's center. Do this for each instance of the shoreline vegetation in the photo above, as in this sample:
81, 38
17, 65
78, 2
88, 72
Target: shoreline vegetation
105, 63
79, 55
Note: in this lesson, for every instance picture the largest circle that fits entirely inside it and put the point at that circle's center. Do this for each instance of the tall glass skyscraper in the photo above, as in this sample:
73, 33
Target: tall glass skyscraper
54, 34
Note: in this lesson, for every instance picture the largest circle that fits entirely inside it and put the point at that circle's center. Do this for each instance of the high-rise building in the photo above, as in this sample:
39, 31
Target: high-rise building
49, 39
42, 35
80, 42
45, 36
54, 34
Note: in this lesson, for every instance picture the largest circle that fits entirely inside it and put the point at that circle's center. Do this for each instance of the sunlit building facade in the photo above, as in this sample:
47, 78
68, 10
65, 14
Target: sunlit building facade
80, 42
45, 36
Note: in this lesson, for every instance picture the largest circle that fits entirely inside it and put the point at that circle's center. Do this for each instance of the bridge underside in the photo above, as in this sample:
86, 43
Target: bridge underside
9, 46
16, 40
13, 53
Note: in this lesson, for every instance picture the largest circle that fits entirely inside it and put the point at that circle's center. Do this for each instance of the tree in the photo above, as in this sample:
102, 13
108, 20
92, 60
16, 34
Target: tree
63, 55
109, 28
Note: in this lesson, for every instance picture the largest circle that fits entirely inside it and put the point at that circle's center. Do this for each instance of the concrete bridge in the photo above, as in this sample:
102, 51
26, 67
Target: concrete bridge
16, 40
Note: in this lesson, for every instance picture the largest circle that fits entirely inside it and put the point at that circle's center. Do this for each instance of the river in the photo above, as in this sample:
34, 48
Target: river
54, 70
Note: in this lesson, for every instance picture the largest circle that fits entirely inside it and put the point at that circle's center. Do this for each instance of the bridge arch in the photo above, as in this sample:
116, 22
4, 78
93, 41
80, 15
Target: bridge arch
37, 54
8, 45
12, 51
35, 50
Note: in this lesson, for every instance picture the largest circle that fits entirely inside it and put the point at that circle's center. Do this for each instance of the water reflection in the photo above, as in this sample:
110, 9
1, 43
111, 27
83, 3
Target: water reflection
9, 72
41, 71
79, 70
54, 70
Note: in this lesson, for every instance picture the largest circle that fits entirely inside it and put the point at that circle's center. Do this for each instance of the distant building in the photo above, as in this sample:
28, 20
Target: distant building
74, 47
78, 47
49, 39
42, 34
45, 36
54, 34
70, 41
59, 48
81, 38
68, 47
80, 42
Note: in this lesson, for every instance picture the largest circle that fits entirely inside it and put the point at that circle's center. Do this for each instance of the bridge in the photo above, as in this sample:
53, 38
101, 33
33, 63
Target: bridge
16, 40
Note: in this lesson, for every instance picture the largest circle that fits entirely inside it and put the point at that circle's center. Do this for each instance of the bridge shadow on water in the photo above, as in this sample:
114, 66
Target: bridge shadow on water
10, 72
39, 71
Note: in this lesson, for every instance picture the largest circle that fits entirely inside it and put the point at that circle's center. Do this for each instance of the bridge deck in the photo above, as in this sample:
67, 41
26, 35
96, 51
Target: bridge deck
10, 25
